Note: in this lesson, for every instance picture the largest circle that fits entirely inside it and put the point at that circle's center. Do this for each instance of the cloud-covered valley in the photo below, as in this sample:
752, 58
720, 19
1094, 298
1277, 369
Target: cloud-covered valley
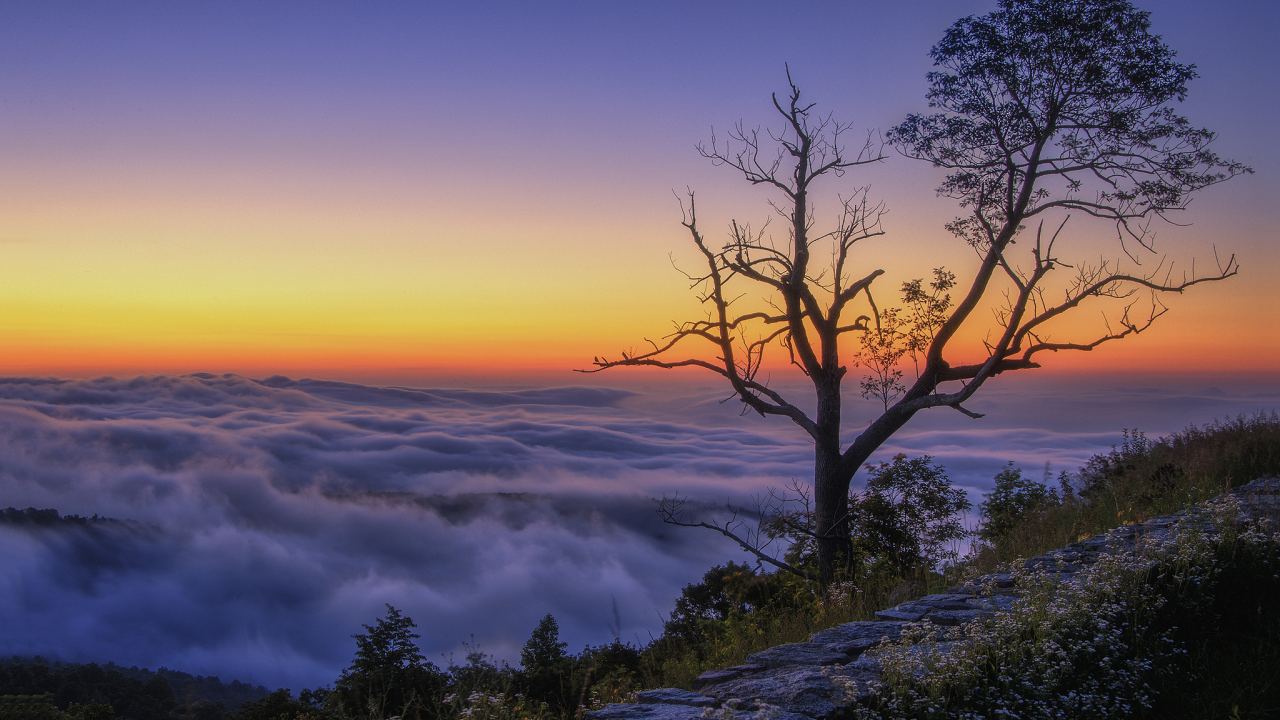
262, 522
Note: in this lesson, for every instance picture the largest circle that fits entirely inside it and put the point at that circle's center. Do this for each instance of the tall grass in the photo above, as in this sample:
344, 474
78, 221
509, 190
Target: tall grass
1141, 479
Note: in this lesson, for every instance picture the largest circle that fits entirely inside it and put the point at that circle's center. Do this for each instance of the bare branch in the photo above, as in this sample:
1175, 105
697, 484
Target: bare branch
673, 512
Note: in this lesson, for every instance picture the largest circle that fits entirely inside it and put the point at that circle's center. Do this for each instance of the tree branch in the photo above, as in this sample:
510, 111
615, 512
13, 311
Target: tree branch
672, 511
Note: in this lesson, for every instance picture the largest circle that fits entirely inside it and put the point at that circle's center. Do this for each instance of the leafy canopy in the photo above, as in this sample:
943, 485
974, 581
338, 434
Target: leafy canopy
1012, 500
1060, 104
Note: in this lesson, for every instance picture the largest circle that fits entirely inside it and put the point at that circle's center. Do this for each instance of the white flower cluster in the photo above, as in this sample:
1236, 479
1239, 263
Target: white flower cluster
496, 706
1082, 648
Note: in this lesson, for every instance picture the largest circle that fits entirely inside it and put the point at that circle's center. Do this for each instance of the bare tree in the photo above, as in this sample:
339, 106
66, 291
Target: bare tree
1046, 107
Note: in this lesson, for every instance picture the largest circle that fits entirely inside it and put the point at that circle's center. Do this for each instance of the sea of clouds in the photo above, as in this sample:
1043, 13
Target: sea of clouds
264, 521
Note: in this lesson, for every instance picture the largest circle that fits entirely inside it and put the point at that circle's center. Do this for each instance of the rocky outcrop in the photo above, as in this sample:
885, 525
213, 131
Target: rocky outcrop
817, 679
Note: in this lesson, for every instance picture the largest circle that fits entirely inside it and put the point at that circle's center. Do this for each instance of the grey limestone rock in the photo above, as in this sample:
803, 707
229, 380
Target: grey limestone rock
674, 696
903, 613
985, 587
810, 653
866, 663
712, 677
951, 618
925, 607
857, 637
764, 713
815, 692
663, 711
945, 601
1000, 580
919, 652
855, 685
1049, 563
994, 603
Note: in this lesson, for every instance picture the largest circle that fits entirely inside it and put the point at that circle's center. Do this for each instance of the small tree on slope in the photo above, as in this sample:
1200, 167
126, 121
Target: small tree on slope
388, 675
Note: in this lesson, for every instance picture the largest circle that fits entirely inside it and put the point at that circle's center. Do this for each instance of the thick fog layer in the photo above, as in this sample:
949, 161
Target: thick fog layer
262, 522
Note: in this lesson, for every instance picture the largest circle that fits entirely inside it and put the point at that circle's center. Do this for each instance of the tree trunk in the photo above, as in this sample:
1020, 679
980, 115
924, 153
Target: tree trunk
830, 481
831, 513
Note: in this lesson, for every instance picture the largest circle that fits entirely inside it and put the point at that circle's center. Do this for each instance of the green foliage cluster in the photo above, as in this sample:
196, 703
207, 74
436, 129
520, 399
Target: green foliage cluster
50, 517
28, 707
42, 707
907, 517
903, 332
388, 676
1013, 499
196, 690
1221, 454
565, 683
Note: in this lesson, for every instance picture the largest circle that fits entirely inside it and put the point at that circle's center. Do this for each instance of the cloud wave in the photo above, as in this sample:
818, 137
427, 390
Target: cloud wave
265, 521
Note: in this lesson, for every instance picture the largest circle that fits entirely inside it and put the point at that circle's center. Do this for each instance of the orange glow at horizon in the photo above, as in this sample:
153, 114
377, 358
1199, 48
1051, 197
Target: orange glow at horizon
353, 342
427, 301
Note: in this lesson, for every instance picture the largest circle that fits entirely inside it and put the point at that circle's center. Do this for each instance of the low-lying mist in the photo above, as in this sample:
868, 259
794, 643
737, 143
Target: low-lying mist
262, 522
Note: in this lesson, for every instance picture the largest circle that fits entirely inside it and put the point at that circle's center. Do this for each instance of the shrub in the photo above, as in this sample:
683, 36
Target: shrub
1015, 499
908, 516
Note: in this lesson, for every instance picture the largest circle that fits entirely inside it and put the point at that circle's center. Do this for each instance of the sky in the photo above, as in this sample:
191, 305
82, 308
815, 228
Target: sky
295, 292
397, 190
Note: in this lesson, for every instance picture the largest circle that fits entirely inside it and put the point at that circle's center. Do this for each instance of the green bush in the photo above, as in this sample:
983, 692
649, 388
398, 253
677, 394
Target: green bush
908, 516
1015, 499
1221, 455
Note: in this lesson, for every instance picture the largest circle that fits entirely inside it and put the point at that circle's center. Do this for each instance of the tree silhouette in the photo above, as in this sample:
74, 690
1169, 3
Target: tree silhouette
1045, 108
546, 667
388, 675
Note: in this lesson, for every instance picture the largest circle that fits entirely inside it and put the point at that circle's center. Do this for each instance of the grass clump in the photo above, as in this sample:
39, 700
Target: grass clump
736, 611
1135, 481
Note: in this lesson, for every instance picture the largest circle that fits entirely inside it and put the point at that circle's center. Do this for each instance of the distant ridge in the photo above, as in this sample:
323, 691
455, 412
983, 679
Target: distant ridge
54, 676
50, 517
